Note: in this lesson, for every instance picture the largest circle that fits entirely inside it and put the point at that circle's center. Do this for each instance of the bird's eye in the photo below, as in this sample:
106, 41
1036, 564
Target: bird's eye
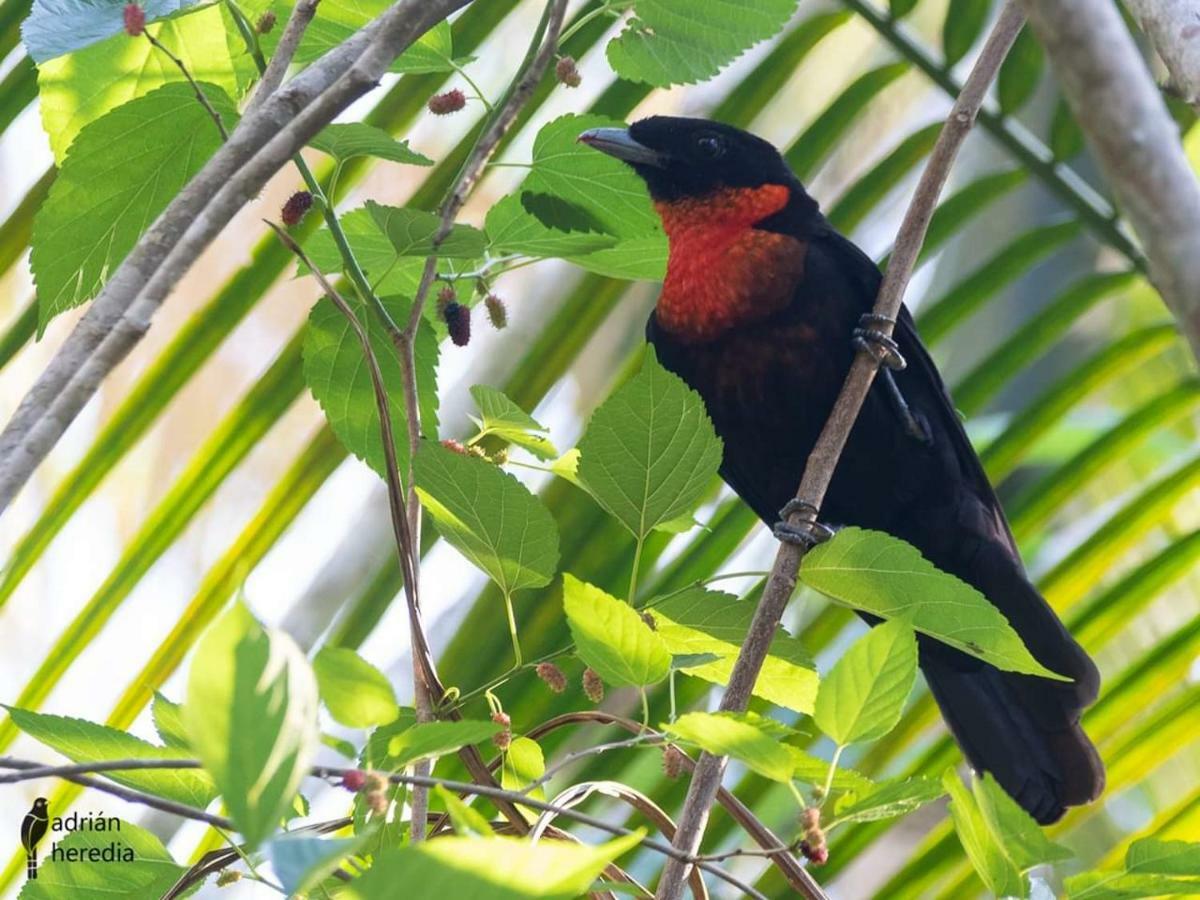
710, 145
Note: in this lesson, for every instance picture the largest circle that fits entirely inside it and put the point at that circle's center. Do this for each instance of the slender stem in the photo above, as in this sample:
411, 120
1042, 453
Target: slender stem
512, 631
645, 707
633, 573
818, 471
179, 64
828, 786
614, 7
470, 81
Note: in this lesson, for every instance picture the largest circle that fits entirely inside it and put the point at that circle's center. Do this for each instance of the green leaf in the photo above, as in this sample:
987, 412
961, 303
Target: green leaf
432, 739
524, 763
431, 52
338, 378
353, 139
1120, 886
649, 451
58, 27
888, 800
77, 89
862, 697
603, 187
511, 229
667, 43
337, 20
901, 8
507, 421
612, 638
881, 574
1158, 857
814, 770
1020, 72
82, 741
301, 862
149, 873
1021, 838
120, 173
251, 717
738, 736
411, 232
698, 621
1066, 137
356, 693
496, 868
995, 869
466, 820
489, 517
964, 24
168, 721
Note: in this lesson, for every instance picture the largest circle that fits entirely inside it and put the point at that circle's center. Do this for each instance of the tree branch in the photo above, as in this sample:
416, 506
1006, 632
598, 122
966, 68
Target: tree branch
285, 50
1173, 27
1135, 140
262, 143
818, 472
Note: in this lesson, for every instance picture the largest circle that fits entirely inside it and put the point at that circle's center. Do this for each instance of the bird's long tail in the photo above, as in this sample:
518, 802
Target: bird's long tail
31, 864
1023, 729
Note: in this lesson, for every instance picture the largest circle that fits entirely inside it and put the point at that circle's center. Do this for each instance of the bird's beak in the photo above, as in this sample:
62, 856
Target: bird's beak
619, 143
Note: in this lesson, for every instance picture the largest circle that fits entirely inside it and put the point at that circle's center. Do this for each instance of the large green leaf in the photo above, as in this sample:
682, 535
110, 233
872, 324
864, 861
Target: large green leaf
881, 574
411, 232
887, 800
489, 516
1021, 838
512, 229
666, 43
356, 693
986, 854
649, 450
737, 735
251, 717
82, 741
431, 739
864, 693
697, 621
347, 140
120, 173
57, 27
499, 416
612, 638
495, 868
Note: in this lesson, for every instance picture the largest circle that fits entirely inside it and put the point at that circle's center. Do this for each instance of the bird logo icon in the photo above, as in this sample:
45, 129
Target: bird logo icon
33, 829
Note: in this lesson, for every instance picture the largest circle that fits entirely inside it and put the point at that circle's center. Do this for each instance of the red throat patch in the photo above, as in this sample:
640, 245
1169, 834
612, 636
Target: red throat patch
721, 271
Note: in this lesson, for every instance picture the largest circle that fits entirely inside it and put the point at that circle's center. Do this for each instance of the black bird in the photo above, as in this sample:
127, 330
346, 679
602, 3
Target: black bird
33, 829
761, 311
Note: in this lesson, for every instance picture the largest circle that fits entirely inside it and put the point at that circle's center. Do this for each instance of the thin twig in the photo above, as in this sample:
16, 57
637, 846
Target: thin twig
285, 50
648, 739
818, 471
200, 95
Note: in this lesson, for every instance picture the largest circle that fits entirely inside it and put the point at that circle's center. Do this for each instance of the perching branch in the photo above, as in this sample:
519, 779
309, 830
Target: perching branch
272, 76
1173, 27
818, 472
1134, 138
261, 144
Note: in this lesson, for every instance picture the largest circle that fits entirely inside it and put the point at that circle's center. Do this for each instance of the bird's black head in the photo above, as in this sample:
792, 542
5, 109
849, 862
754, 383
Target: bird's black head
693, 157
39, 805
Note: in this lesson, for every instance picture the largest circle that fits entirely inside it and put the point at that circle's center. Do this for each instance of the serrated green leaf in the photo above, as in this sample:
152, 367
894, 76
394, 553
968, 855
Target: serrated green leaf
863, 695
150, 873
1159, 857
511, 229
348, 140
964, 24
667, 43
356, 693
427, 740
411, 232
120, 173
337, 375
1122, 886
632, 259
888, 800
82, 741
251, 717
1020, 72
737, 736
1014, 830
300, 862
524, 763
496, 868
612, 638
489, 517
501, 417
466, 820
168, 721
698, 621
994, 868
650, 450
881, 574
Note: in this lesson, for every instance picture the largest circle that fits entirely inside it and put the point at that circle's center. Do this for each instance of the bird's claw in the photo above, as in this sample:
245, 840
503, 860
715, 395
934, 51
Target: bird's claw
806, 533
881, 346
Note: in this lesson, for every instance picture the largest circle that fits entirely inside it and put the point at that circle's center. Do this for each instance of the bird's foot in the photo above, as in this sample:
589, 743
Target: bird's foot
881, 346
806, 533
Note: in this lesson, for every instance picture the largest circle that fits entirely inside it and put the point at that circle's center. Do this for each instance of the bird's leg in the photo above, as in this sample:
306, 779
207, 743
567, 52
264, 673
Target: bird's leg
808, 532
887, 353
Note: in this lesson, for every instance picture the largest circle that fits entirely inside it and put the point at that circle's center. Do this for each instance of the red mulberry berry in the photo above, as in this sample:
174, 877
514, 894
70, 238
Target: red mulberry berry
449, 102
502, 738
266, 23
672, 761
497, 314
354, 780
553, 676
458, 320
567, 72
593, 686
818, 854
455, 446
297, 205
135, 19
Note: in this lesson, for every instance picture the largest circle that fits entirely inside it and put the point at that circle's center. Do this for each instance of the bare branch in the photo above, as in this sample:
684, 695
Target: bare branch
818, 472
285, 50
1173, 26
208, 107
1134, 138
